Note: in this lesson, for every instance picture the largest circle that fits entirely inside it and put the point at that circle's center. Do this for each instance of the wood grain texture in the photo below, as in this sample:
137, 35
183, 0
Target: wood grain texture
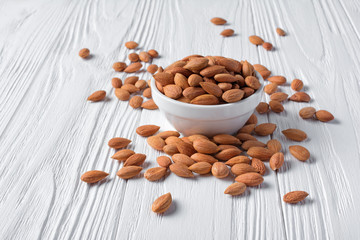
50, 134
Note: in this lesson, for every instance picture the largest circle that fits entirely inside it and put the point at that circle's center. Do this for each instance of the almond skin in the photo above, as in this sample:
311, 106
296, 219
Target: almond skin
238, 159
265, 129
162, 203
249, 128
262, 107
276, 161
300, 97
211, 71
252, 82
226, 139
131, 80
247, 69
116, 82
170, 149
144, 56
182, 158
295, 196
280, 32
172, 91
274, 145
197, 64
147, 93
84, 53
194, 80
164, 78
193, 92
133, 67
185, 148
270, 88
297, 85
227, 32
131, 45
252, 119
258, 165
245, 137
130, 88
119, 66
200, 157
205, 146
211, 88
251, 143
205, 99
235, 189
147, 130
200, 168
299, 152
123, 154
133, 57
93, 176
295, 134
242, 168
267, 46
225, 78
307, 112
279, 80
118, 142
233, 95
230, 65
166, 134
128, 172
135, 160
227, 154
279, 96
324, 116
149, 104
276, 106
181, 170
256, 40
156, 142
250, 179
218, 21
220, 170
164, 161
260, 153
97, 96
154, 174
152, 68
153, 53
141, 84
136, 101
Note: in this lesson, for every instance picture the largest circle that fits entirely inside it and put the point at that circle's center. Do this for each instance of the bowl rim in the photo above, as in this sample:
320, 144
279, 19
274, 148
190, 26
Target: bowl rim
209, 107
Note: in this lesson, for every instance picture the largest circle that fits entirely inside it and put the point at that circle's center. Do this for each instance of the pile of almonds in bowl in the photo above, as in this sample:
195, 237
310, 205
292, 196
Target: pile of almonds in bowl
208, 80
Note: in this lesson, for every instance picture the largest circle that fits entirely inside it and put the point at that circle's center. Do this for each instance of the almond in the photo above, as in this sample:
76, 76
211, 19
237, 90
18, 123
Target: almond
262, 107
93, 176
181, 170
136, 101
154, 174
279, 96
130, 88
270, 88
156, 142
140, 84
259, 67
276, 106
194, 80
252, 82
227, 154
212, 88
194, 137
265, 74
220, 170
218, 21
230, 65
248, 91
233, 95
300, 97
280, 32
297, 85
123, 154
258, 165
242, 168
147, 130
118, 142
205, 146
197, 64
170, 149
181, 70
97, 96
235, 189
166, 134
256, 40
227, 32
307, 112
226, 146
200, 157
153, 53
265, 129
247, 69
279, 80
276, 161
225, 78
182, 158
163, 161
135, 160
247, 129
164, 78
211, 71
295, 196
181, 81
162, 204
147, 93
193, 92
274, 145
173, 91
133, 57
244, 137
238, 159
185, 148
295, 134
180, 63
119, 66
299, 152
200, 167
152, 68
172, 140
250, 179
116, 83
251, 143
324, 116
131, 44
260, 153
131, 80
226, 139
205, 99
267, 46
144, 56
84, 53
133, 67
252, 119
128, 172
149, 104
225, 86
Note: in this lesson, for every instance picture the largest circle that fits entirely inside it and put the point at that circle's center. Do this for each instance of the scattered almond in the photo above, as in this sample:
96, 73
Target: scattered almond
252, 143
227, 154
270, 88
235, 189
181, 170
265, 129
153, 53
226, 139
205, 146
218, 21
260, 153
119, 66
164, 161
227, 32
279, 96
258, 165
116, 82
267, 46
297, 85
182, 158
250, 179
166, 134
307, 112
154, 174
123, 154
280, 32
279, 80
262, 107
220, 170
276, 161
274, 145
324, 116
133, 67
200, 167
135, 160
128, 172
249, 128
130, 88
156, 142
131, 44
295, 196
152, 68
118, 142
256, 40
276, 106
97, 96
133, 57
136, 101
147, 93
299, 152
185, 148
242, 168
170, 149
144, 56
200, 157
295, 134
122, 94
84, 53
238, 159
162, 203
300, 97
93, 176
149, 104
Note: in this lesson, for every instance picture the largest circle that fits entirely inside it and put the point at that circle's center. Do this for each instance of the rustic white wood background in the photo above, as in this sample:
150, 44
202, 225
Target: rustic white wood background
50, 134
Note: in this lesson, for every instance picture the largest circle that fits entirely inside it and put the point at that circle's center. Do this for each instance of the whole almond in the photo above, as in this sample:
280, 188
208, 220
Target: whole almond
131, 44
233, 95
280, 32
194, 137
166, 134
245, 136
220, 170
295, 196
181, 81
197, 64
300, 97
259, 67
205, 99
279, 80
242, 168
180, 70
154, 174
256, 40
265, 74
164, 161
172, 140
162, 203
230, 64
123, 154
211, 71
119, 66
252, 82
84, 53
136, 101
276, 106
118, 142
226, 146
227, 154
274, 145
205, 146
147, 93
133, 67
152, 68
251, 143
149, 104
265, 129
218, 21
299, 152
147, 130
97, 96
144, 56
93, 176
173, 91
252, 119
226, 139
185, 148
307, 112
225, 86
247, 69
153, 53
200, 157
140, 84
211, 88
276, 161
227, 32
295, 134
248, 91
194, 80
164, 78
129, 172
267, 46
200, 167
279, 96
180, 63
133, 57
270, 88
258, 165
235, 189
297, 84
249, 128
193, 92
262, 107
250, 179
130, 88
181, 170
116, 82
260, 153
170, 149
156, 142
225, 78
135, 160
238, 159
182, 158
324, 116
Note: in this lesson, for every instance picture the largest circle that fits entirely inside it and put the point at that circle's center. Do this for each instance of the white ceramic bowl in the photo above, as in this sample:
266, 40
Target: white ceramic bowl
207, 119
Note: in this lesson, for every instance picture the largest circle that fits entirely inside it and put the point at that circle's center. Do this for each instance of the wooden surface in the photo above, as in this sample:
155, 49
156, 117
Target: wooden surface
50, 134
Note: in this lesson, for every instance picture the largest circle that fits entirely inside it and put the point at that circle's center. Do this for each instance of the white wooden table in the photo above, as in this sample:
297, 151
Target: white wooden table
50, 134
